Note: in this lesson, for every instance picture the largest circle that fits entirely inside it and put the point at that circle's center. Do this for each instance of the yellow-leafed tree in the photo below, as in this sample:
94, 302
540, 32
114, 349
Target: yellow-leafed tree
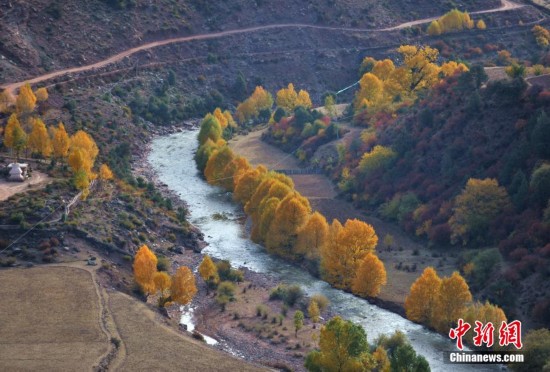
105, 173
41, 94
421, 303
286, 98
247, 183
454, 296
6, 101
348, 245
209, 271
313, 237
434, 28
481, 25
60, 141
370, 276
26, 100
217, 162
291, 214
183, 287
233, 170
145, 267
303, 99
484, 313
162, 282
39, 140
82, 140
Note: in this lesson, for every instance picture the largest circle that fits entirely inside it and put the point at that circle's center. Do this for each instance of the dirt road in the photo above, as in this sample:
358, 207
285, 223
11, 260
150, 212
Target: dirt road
8, 189
11, 87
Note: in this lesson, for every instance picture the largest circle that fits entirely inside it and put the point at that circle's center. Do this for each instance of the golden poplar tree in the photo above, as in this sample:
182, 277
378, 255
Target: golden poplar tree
79, 161
484, 313
347, 247
286, 98
83, 141
41, 94
39, 140
26, 100
434, 28
421, 303
220, 158
234, 169
209, 271
313, 237
60, 141
370, 92
454, 295
162, 282
303, 99
260, 100
145, 267
291, 214
481, 25
183, 287
105, 172
261, 228
419, 66
222, 119
370, 276
451, 67
9, 131
313, 311
6, 101
247, 183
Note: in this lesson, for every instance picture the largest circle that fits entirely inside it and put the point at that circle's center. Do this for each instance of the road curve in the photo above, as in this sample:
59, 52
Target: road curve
11, 87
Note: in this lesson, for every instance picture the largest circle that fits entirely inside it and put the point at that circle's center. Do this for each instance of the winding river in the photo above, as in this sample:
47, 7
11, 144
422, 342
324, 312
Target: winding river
172, 158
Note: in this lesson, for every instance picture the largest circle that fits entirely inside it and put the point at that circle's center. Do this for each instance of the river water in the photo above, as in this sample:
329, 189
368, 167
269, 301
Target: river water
172, 158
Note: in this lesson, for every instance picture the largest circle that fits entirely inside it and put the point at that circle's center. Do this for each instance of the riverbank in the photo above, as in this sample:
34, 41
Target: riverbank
238, 329
404, 259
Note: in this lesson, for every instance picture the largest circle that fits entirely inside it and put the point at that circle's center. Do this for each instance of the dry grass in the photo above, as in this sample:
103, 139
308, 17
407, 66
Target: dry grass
257, 152
152, 346
49, 320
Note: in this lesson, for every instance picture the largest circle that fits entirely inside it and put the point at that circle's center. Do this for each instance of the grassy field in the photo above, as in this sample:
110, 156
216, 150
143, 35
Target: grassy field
49, 320
152, 346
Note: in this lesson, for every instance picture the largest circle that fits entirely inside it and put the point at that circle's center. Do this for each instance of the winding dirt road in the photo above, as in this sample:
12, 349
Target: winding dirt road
11, 87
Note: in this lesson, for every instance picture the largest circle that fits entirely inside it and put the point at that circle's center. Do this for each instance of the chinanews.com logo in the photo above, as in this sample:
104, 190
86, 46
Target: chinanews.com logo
509, 334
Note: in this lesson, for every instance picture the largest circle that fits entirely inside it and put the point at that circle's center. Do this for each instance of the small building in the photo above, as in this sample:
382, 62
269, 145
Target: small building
18, 172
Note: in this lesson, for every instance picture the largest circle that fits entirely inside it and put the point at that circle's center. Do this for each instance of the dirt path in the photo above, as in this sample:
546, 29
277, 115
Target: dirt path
8, 189
11, 87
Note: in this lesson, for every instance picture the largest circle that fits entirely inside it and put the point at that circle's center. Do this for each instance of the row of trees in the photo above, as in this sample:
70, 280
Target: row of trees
26, 131
283, 221
259, 104
179, 288
440, 302
454, 20
383, 86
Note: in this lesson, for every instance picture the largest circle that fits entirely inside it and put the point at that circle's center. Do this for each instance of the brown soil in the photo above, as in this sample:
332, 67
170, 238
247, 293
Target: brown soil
8, 189
411, 256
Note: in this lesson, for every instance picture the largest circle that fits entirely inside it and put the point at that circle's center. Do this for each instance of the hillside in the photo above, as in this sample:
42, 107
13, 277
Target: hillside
462, 128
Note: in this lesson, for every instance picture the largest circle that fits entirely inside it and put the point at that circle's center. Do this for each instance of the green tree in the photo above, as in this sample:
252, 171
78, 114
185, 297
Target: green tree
540, 185
298, 321
343, 347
